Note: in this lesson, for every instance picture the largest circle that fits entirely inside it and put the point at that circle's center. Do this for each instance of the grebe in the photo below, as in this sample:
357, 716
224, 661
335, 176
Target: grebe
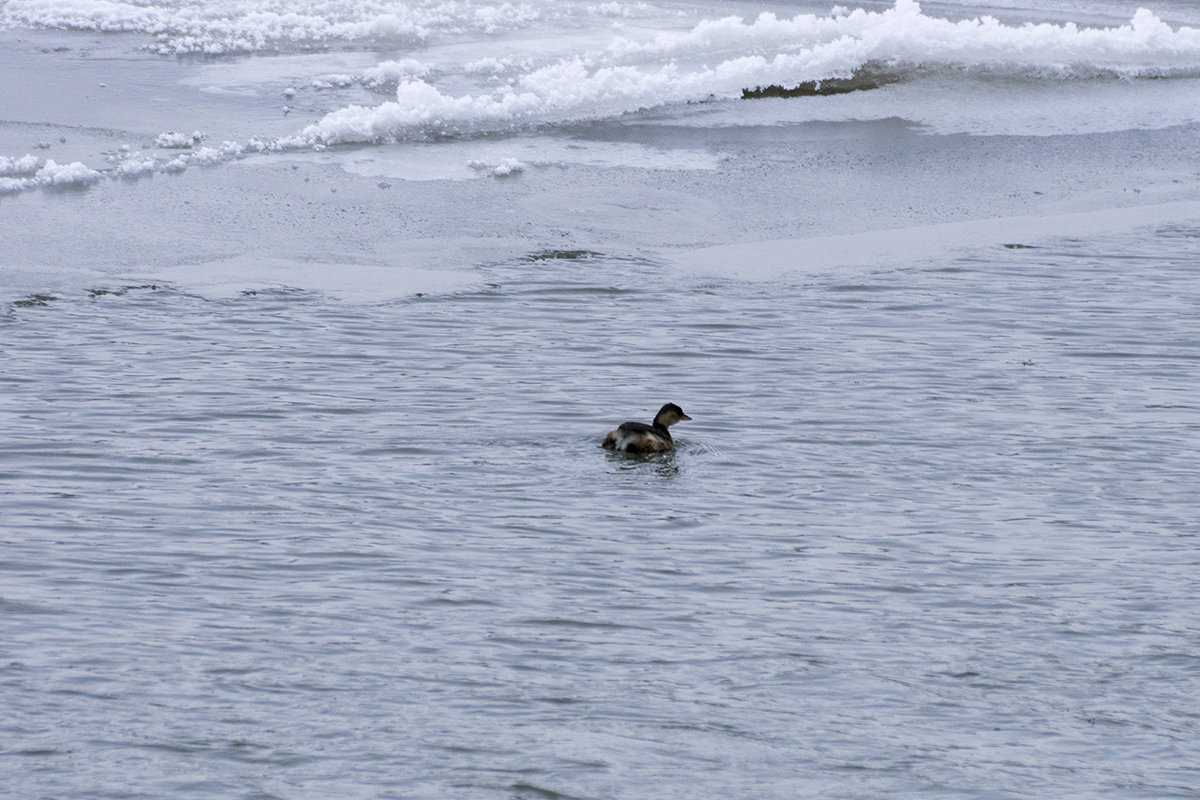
637, 437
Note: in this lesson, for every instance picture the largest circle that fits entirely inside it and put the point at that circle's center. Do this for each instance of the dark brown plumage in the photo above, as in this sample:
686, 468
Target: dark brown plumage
638, 437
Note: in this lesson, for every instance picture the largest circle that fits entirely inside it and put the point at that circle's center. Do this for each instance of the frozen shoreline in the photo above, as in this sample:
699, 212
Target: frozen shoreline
656, 185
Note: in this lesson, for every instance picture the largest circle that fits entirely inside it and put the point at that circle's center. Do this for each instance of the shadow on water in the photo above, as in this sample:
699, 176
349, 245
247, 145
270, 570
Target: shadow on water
562, 255
35, 301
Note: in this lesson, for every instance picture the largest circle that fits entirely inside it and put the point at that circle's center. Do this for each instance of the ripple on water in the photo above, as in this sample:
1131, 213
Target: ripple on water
931, 531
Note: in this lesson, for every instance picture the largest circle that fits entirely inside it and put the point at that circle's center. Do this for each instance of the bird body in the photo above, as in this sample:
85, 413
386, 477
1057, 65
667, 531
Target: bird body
638, 437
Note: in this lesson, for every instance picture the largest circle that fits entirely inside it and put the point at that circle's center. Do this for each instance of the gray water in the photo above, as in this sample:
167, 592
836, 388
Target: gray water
932, 533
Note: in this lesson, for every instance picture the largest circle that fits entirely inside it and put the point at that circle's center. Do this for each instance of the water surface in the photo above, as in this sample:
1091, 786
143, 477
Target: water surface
932, 532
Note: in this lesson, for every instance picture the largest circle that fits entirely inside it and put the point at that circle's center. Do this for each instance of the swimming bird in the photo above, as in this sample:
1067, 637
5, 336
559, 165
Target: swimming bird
638, 437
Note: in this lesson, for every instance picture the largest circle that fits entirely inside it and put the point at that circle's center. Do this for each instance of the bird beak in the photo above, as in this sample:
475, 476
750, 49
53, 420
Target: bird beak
685, 417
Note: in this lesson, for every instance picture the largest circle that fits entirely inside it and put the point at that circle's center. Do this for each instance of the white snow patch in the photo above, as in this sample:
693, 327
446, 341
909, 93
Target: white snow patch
507, 167
173, 140
26, 165
46, 174
29, 172
394, 72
